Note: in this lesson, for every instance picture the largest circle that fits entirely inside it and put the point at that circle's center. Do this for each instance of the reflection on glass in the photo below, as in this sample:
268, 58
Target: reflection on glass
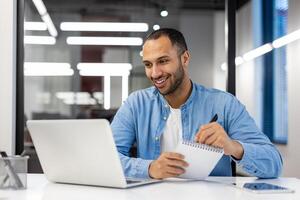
82, 58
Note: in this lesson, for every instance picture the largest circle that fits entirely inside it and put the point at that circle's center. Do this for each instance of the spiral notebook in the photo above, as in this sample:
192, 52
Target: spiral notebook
202, 159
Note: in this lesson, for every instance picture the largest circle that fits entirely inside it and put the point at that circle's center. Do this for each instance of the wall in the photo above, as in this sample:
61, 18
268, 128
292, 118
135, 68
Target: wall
291, 151
248, 87
7, 75
245, 73
219, 77
200, 42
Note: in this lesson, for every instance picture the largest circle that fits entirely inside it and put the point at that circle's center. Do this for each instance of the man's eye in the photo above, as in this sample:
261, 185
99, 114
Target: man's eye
163, 61
147, 65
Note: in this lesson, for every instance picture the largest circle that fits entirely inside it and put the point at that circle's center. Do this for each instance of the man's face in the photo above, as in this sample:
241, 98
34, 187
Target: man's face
163, 65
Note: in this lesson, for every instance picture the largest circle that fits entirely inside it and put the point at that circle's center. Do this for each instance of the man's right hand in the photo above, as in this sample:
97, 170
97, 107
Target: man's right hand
168, 164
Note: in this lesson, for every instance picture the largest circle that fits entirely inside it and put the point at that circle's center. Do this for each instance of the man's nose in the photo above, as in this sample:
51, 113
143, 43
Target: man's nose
156, 72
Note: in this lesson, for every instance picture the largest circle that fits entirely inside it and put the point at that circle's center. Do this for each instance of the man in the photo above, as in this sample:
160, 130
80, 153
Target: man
157, 118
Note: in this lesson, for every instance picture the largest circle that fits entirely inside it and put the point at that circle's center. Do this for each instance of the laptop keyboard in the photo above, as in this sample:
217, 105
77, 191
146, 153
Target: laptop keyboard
132, 181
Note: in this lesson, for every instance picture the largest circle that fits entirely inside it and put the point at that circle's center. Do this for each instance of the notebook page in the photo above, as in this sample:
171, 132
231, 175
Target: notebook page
202, 159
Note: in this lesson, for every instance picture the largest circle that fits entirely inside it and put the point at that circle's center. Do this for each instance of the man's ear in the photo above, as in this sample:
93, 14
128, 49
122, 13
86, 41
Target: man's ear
185, 58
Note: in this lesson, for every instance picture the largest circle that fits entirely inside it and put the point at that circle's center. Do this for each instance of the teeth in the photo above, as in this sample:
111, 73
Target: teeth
160, 81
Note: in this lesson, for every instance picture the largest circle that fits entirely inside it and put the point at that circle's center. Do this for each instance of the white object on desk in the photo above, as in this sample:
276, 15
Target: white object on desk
201, 158
40, 189
79, 152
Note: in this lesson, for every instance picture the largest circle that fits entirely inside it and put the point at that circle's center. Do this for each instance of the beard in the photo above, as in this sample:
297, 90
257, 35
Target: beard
178, 77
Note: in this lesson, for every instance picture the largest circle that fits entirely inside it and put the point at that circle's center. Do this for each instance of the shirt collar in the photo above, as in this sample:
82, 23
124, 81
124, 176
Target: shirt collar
164, 101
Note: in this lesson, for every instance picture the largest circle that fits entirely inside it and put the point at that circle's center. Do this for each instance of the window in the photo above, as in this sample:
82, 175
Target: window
280, 74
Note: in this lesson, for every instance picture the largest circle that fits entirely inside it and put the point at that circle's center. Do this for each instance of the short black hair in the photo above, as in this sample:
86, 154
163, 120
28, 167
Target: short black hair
175, 36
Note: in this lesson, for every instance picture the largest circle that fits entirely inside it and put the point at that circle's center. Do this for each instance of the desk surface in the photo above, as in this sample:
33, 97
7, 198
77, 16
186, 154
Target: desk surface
40, 189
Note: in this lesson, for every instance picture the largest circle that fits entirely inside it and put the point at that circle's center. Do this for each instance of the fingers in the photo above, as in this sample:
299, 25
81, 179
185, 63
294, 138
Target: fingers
175, 171
212, 134
177, 163
169, 164
211, 140
209, 125
204, 134
205, 127
172, 155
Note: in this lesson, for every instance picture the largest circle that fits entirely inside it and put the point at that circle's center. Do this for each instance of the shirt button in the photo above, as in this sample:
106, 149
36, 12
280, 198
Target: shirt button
156, 138
165, 118
166, 106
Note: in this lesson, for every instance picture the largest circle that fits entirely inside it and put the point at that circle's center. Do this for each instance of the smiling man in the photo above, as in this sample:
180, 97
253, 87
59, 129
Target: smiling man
175, 108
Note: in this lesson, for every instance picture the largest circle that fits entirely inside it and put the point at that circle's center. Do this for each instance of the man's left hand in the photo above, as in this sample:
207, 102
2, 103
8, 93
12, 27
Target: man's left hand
214, 134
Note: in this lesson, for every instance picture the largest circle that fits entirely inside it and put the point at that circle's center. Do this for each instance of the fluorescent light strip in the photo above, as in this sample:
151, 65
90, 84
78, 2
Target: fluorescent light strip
257, 52
102, 73
35, 26
239, 60
40, 6
291, 37
51, 28
108, 66
46, 40
104, 26
104, 69
106, 92
119, 41
47, 69
48, 72
124, 87
46, 65
286, 39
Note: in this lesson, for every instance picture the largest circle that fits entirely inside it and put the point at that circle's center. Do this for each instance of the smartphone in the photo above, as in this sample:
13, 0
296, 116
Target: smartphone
266, 188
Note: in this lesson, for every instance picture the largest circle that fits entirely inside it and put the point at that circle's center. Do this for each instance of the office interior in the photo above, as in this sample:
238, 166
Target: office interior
68, 88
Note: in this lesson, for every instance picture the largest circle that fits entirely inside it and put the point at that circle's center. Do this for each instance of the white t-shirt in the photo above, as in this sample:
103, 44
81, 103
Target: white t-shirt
173, 131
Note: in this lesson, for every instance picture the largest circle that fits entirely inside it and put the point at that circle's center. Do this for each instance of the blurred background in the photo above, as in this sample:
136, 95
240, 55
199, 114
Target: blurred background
83, 58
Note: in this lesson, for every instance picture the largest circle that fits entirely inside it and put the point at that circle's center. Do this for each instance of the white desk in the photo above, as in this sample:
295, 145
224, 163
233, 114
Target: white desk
40, 189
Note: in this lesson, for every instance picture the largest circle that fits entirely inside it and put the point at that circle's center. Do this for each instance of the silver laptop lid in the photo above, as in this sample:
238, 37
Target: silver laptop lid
77, 151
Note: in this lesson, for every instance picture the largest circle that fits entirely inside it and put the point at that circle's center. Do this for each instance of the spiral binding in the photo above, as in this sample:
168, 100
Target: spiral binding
203, 146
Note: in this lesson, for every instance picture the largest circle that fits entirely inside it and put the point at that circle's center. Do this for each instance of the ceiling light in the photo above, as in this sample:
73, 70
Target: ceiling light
239, 60
46, 40
118, 41
106, 92
104, 26
104, 69
51, 28
257, 52
156, 27
224, 66
164, 13
35, 26
47, 69
286, 39
40, 6
125, 83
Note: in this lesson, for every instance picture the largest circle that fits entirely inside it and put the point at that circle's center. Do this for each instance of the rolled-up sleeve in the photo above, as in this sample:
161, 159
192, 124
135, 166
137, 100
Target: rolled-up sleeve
260, 158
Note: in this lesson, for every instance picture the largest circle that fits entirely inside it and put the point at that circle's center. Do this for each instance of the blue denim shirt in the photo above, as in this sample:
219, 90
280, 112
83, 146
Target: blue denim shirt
142, 119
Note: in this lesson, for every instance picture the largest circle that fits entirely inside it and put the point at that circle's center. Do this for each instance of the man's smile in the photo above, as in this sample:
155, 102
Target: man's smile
160, 82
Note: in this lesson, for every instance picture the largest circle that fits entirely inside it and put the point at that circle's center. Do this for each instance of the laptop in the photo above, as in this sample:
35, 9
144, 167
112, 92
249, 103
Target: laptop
79, 152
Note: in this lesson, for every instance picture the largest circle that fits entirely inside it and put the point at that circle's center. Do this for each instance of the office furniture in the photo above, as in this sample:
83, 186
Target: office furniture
40, 189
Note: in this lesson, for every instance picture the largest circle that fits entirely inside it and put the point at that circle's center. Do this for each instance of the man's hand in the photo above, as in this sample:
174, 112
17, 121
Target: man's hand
167, 165
214, 134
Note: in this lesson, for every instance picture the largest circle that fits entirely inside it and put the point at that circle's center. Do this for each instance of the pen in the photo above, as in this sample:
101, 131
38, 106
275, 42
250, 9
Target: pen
214, 119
